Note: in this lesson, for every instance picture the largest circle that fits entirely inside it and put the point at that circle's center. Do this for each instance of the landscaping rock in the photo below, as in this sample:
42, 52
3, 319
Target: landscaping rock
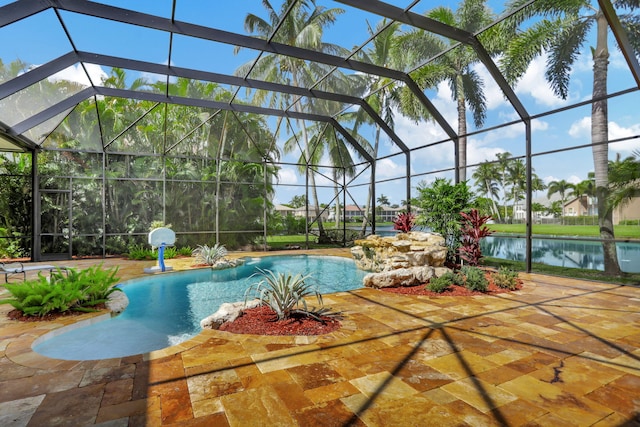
406, 259
401, 277
224, 263
117, 302
228, 312
406, 250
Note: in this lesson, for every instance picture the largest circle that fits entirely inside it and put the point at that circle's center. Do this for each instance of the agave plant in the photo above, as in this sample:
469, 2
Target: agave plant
285, 295
209, 255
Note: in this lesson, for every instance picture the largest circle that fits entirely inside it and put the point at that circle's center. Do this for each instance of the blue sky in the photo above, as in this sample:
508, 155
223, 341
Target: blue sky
39, 39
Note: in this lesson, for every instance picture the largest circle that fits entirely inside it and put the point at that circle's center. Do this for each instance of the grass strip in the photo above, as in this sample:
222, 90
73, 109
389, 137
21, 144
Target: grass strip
621, 231
632, 279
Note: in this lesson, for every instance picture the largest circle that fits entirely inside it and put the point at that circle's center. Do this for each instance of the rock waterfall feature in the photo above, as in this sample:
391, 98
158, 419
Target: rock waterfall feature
406, 259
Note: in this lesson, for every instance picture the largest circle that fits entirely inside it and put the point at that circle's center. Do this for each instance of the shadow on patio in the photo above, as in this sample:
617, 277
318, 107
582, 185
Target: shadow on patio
558, 352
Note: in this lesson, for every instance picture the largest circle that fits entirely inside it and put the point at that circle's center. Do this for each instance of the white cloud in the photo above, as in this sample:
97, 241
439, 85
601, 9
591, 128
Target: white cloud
534, 84
287, 176
478, 153
574, 179
582, 129
493, 94
387, 168
616, 131
75, 73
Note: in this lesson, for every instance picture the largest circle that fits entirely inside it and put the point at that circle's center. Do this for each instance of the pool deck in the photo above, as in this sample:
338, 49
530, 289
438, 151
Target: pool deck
559, 352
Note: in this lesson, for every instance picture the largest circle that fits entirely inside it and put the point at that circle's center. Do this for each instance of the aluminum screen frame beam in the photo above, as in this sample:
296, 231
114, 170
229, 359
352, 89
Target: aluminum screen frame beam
69, 59
73, 100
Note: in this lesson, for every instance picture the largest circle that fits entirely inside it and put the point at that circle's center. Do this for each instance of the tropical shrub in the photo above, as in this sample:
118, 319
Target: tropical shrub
185, 251
404, 222
139, 253
506, 278
474, 279
170, 252
209, 255
473, 230
337, 236
458, 278
441, 204
286, 295
62, 291
440, 284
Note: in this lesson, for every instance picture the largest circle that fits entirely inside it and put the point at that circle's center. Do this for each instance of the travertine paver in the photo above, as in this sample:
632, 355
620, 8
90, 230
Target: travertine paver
559, 352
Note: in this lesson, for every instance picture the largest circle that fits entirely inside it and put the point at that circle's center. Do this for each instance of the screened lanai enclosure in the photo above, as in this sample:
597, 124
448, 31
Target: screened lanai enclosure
236, 121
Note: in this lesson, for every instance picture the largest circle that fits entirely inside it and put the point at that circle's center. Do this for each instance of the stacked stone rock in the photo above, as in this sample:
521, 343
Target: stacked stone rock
406, 259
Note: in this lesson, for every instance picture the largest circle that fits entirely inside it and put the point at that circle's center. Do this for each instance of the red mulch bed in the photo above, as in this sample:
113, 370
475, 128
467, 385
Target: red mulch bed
21, 317
452, 291
261, 321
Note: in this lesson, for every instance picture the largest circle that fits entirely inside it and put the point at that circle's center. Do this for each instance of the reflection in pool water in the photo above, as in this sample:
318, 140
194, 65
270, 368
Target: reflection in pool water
166, 309
563, 253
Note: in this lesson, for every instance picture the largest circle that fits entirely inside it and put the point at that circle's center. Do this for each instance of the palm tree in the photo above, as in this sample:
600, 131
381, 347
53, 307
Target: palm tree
555, 209
517, 179
454, 67
303, 27
503, 166
584, 189
325, 140
561, 187
383, 200
486, 177
385, 91
562, 34
624, 180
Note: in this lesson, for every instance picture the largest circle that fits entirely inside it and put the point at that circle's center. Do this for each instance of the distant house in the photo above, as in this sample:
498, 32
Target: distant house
520, 208
285, 210
383, 213
588, 206
578, 206
630, 211
353, 211
300, 212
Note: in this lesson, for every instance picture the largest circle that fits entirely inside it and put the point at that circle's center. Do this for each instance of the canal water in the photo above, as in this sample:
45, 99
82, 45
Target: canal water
561, 253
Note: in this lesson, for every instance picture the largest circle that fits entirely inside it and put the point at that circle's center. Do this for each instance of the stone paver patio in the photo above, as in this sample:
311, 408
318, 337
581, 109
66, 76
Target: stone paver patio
560, 352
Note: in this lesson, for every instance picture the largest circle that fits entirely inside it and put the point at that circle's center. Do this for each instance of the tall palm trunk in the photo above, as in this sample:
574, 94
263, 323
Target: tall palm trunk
369, 205
307, 153
462, 130
336, 194
600, 147
494, 207
312, 182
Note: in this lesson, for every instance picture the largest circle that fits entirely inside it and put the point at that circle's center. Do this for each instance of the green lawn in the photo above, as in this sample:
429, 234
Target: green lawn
621, 231
281, 242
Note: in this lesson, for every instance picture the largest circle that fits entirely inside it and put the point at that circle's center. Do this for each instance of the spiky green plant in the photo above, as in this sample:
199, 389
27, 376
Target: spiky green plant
185, 251
506, 278
475, 279
138, 252
209, 254
440, 284
286, 295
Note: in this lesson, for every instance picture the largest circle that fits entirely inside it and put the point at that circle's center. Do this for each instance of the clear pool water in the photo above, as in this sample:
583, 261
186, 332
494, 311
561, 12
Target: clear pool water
165, 310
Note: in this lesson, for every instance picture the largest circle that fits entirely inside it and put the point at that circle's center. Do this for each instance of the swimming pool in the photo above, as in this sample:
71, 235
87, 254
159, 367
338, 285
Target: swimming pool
166, 309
